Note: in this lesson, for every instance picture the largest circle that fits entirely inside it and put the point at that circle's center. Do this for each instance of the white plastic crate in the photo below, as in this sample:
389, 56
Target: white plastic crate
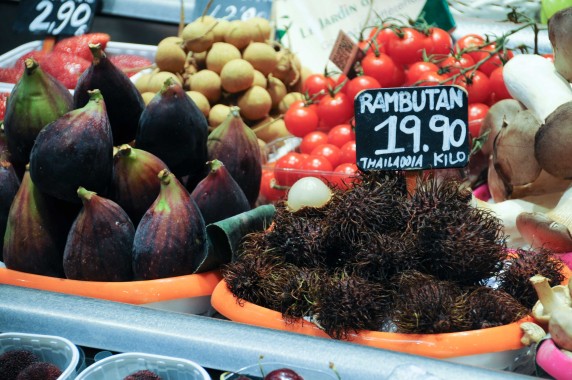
53, 349
116, 367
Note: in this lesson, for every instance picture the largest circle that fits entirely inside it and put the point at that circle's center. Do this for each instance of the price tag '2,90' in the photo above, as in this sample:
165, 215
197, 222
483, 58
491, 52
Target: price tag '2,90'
412, 128
55, 17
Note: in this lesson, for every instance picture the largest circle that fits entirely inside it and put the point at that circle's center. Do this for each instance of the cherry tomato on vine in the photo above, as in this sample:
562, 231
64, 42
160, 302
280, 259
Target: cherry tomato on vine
361, 82
477, 84
381, 67
477, 112
334, 110
301, 120
432, 78
438, 42
498, 87
493, 60
416, 69
470, 44
453, 64
407, 47
341, 134
383, 36
269, 188
341, 82
330, 151
312, 140
316, 83
343, 173
286, 167
349, 152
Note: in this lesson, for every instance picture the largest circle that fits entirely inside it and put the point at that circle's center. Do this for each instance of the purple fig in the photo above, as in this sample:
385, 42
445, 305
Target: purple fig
123, 100
236, 145
218, 195
135, 183
35, 235
9, 187
75, 150
100, 240
36, 100
171, 237
174, 129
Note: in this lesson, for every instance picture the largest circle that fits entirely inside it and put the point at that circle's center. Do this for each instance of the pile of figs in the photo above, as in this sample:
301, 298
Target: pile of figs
223, 63
99, 186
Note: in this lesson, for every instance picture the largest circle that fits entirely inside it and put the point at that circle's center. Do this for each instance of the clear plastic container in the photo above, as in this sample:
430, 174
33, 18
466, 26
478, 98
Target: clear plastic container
117, 367
53, 349
257, 371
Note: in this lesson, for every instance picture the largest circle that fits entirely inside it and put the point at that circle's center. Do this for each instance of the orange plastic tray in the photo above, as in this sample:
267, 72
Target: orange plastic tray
133, 292
441, 346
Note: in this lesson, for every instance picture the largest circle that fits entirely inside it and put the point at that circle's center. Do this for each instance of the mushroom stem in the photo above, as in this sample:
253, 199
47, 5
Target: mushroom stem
546, 296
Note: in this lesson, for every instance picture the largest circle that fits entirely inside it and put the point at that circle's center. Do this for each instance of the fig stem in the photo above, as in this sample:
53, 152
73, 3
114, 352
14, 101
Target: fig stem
97, 52
31, 65
125, 150
215, 165
95, 95
85, 194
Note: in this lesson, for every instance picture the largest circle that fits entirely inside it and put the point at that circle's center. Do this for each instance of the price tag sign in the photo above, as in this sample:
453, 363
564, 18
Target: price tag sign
234, 9
345, 53
55, 17
412, 128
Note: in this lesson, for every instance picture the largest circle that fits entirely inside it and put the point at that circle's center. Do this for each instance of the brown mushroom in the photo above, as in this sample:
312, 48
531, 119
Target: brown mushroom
499, 113
553, 142
559, 26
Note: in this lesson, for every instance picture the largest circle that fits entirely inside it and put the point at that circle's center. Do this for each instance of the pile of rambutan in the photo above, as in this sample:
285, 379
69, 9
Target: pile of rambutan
381, 257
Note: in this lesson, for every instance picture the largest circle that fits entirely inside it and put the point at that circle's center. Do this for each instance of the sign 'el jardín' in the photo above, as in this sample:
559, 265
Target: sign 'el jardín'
412, 128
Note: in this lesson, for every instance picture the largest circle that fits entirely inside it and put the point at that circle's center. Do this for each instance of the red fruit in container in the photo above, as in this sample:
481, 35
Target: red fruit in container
336, 109
286, 167
331, 152
349, 152
129, 63
316, 163
283, 374
10, 74
343, 173
312, 140
40, 370
3, 98
270, 191
65, 67
341, 134
37, 55
301, 120
79, 45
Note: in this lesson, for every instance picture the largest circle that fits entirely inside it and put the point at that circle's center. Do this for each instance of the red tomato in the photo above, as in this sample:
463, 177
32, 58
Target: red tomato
270, 191
362, 82
398, 76
343, 173
416, 69
316, 163
408, 47
438, 42
477, 112
383, 35
341, 134
491, 60
453, 64
341, 82
349, 152
381, 67
498, 88
478, 86
301, 120
330, 151
470, 44
312, 140
316, 85
286, 167
334, 110
432, 78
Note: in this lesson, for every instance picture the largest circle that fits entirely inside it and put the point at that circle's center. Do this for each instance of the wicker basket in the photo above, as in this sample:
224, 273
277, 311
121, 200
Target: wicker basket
494, 9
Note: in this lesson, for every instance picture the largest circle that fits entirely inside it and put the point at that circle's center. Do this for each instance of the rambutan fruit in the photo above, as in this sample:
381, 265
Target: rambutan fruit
347, 303
14, 361
424, 304
143, 374
525, 263
40, 371
487, 307
466, 246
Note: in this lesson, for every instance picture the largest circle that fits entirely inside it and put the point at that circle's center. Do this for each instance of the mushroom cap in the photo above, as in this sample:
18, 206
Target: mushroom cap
559, 26
539, 230
500, 190
513, 151
499, 113
553, 142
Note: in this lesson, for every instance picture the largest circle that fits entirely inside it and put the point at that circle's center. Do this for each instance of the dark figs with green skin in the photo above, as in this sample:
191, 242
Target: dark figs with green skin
171, 236
75, 150
37, 99
174, 129
135, 183
9, 184
122, 99
236, 145
35, 235
218, 195
100, 241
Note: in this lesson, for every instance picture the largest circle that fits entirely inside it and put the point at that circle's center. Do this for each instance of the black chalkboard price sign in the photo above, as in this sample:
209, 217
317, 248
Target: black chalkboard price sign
55, 17
412, 128
234, 9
